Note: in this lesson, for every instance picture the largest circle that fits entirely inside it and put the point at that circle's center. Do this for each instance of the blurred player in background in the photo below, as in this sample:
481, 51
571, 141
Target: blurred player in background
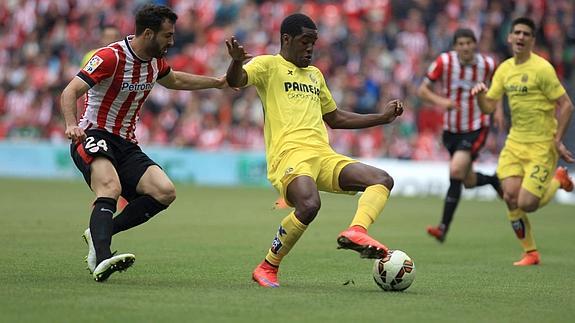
108, 35
300, 160
535, 141
465, 126
117, 79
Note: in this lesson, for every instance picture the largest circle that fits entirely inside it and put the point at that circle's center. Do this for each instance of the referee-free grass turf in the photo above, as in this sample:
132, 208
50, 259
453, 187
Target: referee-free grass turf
193, 262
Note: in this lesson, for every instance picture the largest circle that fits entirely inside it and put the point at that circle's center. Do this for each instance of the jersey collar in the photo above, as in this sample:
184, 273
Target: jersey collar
288, 63
127, 41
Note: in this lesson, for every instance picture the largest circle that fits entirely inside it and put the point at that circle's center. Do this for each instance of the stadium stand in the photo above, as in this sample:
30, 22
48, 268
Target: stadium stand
369, 51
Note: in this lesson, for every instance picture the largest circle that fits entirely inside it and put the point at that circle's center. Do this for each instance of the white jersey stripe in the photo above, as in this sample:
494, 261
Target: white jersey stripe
115, 99
458, 80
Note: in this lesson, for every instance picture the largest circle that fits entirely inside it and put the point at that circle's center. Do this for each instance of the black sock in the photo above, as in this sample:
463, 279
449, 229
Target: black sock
101, 227
491, 180
485, 179
451, 201
137, 212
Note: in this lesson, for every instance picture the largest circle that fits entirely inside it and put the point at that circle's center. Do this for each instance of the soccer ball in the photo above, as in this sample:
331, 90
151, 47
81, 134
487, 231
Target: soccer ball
395, 272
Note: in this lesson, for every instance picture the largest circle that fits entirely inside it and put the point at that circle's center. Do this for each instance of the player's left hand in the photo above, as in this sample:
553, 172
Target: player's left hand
564, 152
392, 110
237, 51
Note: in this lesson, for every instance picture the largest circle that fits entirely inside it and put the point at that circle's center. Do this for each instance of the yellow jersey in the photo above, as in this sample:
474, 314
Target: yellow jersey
294, 100
532, 89
87, 56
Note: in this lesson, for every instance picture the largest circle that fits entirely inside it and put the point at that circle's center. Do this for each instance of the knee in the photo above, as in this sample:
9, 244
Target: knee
108, 187
307, 210
385, 179
457, 173
529, 206
510, 199
468, 183
166, 193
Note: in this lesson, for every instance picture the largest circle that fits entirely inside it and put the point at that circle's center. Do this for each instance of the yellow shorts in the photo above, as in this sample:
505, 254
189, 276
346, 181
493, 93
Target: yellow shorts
323, 165
534, 161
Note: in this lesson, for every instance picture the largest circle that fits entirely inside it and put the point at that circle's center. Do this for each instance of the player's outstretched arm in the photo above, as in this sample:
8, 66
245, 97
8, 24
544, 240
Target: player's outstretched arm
177, 80
236, 76
565, 111
424, 91
485, 104
74, 90
340, 119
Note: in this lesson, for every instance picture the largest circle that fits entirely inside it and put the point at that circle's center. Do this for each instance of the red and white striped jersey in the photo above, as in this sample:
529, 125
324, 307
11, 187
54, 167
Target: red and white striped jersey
119, 84
457, 81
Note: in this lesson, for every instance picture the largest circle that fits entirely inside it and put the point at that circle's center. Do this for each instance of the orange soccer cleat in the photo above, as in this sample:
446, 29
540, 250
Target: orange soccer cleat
529, 259
266, 275
562, 175
437, 233
356, 238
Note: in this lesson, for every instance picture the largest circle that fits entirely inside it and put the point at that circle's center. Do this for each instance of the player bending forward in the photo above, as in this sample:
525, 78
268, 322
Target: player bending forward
118, 79
299, 158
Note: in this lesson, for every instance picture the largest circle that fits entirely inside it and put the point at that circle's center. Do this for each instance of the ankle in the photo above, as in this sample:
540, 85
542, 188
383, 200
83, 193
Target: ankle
358, 228
268, 265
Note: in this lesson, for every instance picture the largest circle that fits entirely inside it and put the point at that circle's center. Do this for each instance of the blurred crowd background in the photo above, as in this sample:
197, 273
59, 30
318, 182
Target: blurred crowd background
370, 51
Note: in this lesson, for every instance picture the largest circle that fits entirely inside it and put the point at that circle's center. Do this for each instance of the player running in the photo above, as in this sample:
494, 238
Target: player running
465, 126
535, 140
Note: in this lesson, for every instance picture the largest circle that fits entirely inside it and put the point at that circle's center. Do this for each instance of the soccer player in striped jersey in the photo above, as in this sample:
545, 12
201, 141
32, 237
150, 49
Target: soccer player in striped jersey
117, 80
300, 160
541, 111
465, 127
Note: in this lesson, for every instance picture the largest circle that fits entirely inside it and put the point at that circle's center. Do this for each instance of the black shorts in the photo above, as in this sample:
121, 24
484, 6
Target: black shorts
468, 141
127, 157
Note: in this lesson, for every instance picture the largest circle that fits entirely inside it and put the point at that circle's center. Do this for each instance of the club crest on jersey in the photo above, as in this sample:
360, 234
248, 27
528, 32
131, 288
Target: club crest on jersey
313, 79
524, 78
94, 62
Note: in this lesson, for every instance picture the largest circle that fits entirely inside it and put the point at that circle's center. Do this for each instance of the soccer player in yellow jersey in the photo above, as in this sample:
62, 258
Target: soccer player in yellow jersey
108, 35
299, 158
534, 143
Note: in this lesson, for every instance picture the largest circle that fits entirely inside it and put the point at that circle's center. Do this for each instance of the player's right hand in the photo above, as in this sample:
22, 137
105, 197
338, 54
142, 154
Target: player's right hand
564, 153
236, 51
75, 133
479, 88
450, 105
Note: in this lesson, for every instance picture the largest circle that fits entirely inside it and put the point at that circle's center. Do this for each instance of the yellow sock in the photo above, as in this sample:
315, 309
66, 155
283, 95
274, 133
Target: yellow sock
550, 192
370, 205
522, 228
289, 232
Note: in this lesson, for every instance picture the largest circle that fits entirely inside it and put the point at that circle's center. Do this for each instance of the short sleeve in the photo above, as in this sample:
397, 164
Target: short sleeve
550, 84
163, 68
101, 65
496, 89
256, 70
435, 70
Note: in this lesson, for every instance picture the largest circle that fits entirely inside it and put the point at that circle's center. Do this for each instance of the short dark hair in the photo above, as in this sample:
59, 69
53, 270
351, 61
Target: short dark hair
464, 33
524, 21
292, 24
153, 16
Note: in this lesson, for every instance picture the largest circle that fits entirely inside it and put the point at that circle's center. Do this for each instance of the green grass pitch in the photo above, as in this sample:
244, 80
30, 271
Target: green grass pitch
193, 262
